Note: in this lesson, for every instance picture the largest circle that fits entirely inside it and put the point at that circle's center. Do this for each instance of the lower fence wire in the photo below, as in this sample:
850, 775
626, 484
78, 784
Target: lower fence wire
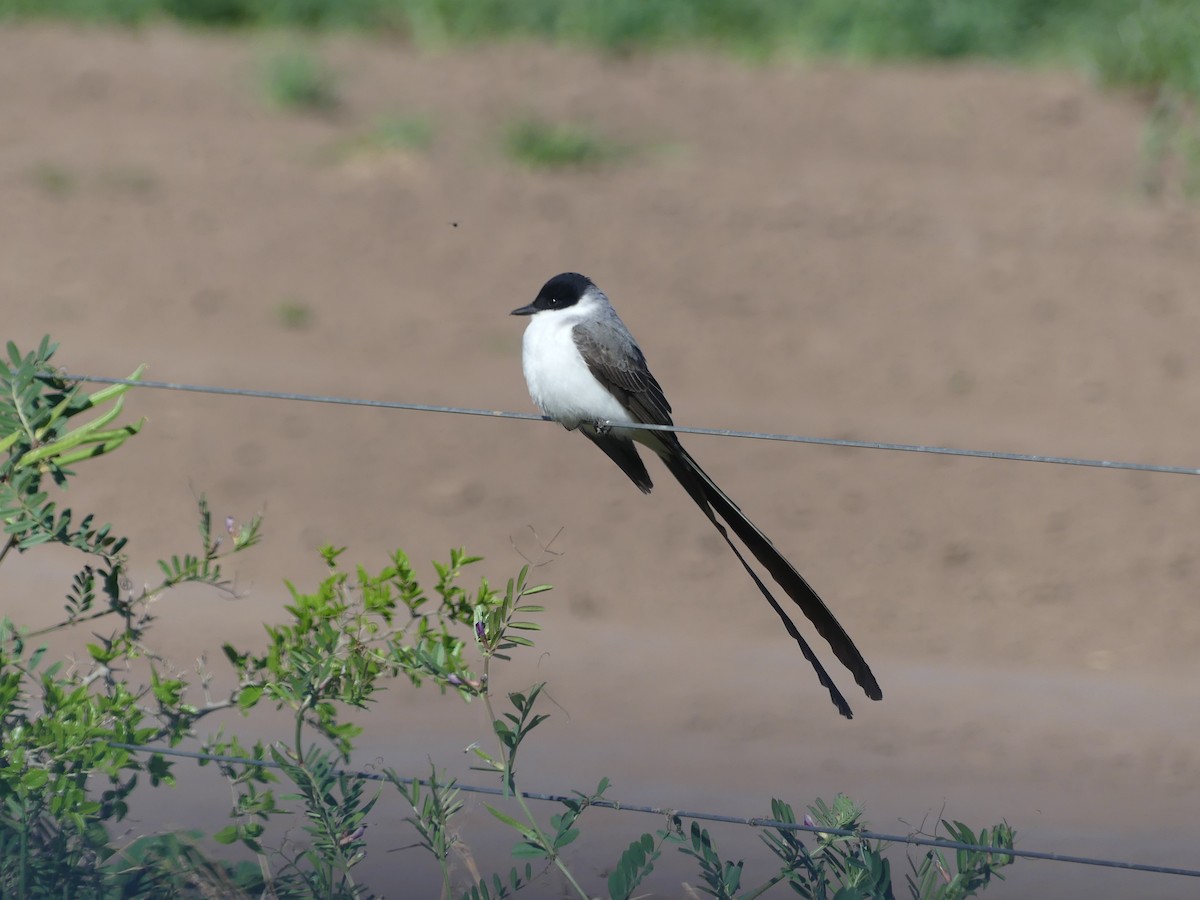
914, 839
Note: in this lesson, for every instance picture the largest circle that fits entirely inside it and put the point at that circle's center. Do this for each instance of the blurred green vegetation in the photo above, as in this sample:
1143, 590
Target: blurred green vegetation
296, 79
1152, 43
545, 145
398, 133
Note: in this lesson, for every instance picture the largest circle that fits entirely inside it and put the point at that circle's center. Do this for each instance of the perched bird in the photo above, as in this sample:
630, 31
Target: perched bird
585, 370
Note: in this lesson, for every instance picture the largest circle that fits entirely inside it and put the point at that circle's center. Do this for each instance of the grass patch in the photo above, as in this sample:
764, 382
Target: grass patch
296, 79
1171, 146
1148, 42
390, 140
1155, 45
52, 179
391, 133
545, 145
294, 314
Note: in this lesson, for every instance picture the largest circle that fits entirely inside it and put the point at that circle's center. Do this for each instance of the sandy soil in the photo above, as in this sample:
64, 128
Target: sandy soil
956, 256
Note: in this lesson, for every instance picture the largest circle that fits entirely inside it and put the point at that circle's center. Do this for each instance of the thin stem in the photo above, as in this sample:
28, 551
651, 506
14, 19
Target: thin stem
21, 413
510, 776
296, 737
65, 623
23, 866
264, 868
8, 545
487, 704
758, 892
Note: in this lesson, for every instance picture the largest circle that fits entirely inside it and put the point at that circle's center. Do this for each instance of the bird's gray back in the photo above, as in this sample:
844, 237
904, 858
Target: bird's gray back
616, 360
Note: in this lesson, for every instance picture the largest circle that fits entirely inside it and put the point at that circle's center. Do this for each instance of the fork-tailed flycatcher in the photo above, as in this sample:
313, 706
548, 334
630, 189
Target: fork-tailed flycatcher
585, 370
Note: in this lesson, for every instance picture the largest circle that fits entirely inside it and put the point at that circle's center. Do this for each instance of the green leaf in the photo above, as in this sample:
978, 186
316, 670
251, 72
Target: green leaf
634, 865
733, 877
249, 696
508, 820
99, 654
528, 850
226, 835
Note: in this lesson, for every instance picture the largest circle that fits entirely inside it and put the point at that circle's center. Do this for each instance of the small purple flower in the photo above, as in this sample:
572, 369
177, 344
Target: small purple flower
229, 524
459, 681
808, 820
480, 632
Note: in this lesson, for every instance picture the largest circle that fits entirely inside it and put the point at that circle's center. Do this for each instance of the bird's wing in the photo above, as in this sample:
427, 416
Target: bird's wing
621, 368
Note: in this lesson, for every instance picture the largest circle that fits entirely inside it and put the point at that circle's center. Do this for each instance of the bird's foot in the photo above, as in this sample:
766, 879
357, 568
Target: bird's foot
602, 426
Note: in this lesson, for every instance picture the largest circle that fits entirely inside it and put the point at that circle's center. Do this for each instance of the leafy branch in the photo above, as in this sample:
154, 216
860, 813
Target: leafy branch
64, 778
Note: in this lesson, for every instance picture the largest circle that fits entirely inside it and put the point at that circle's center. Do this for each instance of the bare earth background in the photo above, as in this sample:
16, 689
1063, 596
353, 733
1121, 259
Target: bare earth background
955, 255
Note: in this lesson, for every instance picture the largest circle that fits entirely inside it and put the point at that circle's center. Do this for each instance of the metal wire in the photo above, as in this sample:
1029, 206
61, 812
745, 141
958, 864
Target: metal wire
912, 839
680, 429
915, 839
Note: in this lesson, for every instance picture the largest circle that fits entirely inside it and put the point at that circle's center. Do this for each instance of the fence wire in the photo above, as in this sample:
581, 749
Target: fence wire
913, 839
910, 839
679, 429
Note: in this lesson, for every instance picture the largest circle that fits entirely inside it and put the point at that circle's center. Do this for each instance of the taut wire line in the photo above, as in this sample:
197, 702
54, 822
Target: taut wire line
679, 429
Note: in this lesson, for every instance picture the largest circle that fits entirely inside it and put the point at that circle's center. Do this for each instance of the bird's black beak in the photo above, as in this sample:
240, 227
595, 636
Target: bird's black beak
524, 311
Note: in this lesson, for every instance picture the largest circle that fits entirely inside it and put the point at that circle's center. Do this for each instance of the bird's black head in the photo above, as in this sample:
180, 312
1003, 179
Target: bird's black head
559, 292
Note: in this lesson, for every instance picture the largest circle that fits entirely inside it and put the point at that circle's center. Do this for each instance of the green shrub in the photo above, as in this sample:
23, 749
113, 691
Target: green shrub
542, 145
70, 760
296, 79
1127, 41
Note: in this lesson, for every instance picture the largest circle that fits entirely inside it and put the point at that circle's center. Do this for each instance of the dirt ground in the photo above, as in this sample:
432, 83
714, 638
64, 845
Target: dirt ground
938, 255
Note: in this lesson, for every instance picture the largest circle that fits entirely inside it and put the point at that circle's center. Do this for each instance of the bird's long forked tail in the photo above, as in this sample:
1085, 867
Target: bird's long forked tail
713, 501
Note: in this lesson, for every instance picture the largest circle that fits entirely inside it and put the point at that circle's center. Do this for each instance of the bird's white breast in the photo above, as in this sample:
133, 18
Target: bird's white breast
559, 381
